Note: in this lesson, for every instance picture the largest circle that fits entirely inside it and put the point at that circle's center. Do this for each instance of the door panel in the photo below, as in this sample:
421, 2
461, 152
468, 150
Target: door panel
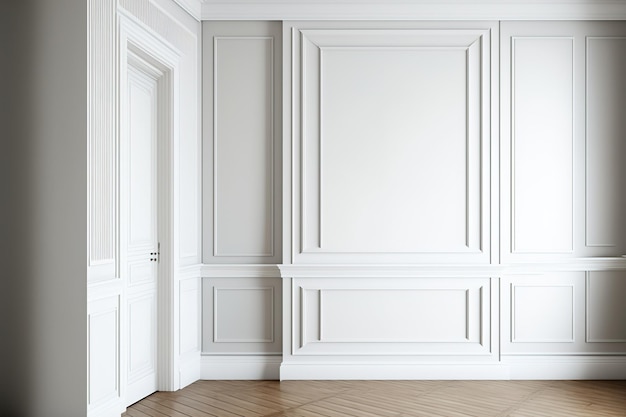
140, 200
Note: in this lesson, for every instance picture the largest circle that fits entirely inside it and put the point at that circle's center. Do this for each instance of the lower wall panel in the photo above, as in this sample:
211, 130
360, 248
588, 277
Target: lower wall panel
421, 316
104, 367
241, 316
561, 313
531, 325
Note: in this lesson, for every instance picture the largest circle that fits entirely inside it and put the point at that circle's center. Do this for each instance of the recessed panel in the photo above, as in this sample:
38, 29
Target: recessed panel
142, 140
606, 309
243, 146
395, 316
189, 315
243, 315
391, 316
103, 325
394, 150
542, 147
141, 336
390, 144
542, 313
605, 145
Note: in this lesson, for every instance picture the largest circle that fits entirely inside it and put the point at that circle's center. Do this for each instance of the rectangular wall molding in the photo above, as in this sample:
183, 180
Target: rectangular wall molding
242, 177
605, 307
542, 144
352, 110
386, 316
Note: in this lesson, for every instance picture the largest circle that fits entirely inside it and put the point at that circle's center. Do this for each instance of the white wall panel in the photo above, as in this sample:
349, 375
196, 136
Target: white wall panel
242, 132
390, 149
254, 324
542, 144
606, 150
561, 140
141, 336
102, 141
606, 309
189, 315
241, 315
243, 151
542, 313
103, 323
374, 316
361, 316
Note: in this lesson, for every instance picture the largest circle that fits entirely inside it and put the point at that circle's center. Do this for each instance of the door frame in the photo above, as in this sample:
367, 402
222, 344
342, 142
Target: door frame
137, 42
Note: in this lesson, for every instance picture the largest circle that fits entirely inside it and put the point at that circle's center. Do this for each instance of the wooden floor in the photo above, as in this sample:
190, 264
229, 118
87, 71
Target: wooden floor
387, 398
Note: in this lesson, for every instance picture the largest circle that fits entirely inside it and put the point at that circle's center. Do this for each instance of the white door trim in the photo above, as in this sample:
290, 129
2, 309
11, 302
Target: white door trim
137, 40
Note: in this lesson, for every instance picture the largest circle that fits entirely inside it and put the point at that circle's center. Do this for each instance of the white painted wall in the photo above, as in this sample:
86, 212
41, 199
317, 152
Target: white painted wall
44, 141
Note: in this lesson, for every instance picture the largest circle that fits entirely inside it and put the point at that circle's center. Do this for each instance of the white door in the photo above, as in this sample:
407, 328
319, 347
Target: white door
139, 212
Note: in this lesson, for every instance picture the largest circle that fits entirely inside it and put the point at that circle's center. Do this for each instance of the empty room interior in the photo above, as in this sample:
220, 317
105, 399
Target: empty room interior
309, 208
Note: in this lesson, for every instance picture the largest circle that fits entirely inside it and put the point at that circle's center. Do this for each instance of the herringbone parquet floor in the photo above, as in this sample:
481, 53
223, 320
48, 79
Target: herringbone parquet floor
387, 398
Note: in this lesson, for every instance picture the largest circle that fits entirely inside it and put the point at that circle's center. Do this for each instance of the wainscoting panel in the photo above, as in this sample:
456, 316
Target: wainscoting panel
389, 316
141, 336
241, 315
563, 313
242, 181
542, 144
605, 202
103, 323
606, 309
561, 140
190, 309
543, 312
391, 143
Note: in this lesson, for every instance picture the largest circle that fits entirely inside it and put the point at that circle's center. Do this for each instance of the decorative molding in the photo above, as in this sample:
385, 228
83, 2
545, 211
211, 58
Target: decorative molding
240, 271
136, 38
433, 270
270, 142
413, 10
240, 367
588, 314
268, 339
588, 143
101, 308
313, 311
193, 7
158, 22
102, 147
189, 272
572, 312
309, 45
513, 149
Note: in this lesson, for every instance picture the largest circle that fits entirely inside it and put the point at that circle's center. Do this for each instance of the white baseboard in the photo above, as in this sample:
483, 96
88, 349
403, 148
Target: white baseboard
566, 367
240, 367
509, 368
394, 371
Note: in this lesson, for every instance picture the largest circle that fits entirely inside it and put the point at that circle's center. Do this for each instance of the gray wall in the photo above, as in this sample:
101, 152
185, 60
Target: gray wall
43, 148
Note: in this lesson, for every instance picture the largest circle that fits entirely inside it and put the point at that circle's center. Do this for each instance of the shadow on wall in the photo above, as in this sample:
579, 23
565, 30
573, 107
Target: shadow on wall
43, 209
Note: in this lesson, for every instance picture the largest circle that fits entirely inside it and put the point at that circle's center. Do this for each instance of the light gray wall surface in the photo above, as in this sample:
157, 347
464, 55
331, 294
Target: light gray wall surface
43, 294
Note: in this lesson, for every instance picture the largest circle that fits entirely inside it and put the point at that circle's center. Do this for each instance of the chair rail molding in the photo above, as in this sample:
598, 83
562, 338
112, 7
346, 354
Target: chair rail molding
409, 10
